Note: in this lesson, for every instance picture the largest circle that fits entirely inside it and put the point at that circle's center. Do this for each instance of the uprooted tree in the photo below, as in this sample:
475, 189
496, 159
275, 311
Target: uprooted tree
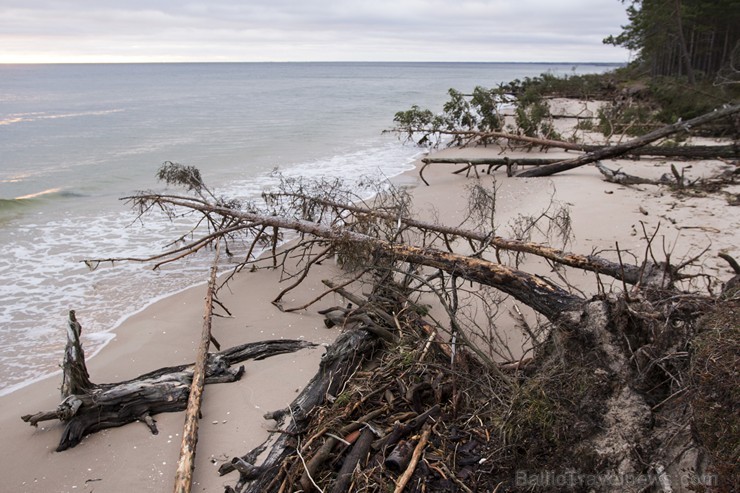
605, 374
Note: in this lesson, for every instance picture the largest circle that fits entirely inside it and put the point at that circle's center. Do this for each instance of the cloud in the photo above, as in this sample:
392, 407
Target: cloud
282, 30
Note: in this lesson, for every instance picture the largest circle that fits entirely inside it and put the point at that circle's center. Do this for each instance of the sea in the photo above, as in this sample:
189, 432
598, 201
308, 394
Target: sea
75, 139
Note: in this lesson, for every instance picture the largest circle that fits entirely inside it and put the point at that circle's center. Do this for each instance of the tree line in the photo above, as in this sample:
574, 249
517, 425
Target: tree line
688, 38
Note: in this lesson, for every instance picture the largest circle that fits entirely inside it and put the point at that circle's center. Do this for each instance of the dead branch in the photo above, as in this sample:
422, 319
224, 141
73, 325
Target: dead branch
75, 377
356, 457
406, 476
340, 361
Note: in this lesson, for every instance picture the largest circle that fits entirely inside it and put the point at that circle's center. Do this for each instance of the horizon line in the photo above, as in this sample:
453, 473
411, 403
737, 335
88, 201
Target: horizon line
566, 62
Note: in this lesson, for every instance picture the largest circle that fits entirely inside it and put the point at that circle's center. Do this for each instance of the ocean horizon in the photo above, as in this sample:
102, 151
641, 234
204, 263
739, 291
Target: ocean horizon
75, 138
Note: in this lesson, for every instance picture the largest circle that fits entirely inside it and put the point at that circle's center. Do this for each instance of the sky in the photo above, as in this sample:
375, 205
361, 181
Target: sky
69, 31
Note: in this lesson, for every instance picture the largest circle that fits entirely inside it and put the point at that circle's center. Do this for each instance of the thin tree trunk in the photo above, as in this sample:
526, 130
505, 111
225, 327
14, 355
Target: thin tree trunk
186, 462
730, 151
682, 40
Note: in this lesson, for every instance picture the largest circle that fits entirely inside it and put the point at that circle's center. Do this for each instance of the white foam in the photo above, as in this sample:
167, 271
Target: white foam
44, 276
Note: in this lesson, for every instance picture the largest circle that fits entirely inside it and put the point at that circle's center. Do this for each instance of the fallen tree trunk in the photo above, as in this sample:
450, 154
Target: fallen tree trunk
691, 152
164, 390
731, 151
621, 149
685, 152
492, 161
186, 462
629, 273
510, 163
534, 291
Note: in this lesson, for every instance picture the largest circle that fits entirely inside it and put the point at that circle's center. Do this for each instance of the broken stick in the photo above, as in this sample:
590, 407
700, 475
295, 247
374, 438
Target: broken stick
406, 476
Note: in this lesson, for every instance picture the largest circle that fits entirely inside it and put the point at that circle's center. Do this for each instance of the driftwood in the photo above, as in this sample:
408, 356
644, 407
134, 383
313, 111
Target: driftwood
622, 178
322, 455
406, 476
621, 149
186, 462
75, 377
111, 405
358, 442
357, 457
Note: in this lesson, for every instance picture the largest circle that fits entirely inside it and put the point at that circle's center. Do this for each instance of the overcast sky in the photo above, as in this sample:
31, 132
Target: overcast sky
309, 30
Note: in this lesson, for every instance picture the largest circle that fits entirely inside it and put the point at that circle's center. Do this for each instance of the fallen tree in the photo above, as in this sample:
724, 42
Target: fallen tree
474, 137
539, 293
592, 154
584, 402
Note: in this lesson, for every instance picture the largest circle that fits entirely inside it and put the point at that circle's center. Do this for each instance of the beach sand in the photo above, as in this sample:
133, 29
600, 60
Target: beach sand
130, 458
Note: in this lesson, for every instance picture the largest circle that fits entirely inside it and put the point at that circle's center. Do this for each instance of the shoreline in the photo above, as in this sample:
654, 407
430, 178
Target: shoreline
166, 331
104, 337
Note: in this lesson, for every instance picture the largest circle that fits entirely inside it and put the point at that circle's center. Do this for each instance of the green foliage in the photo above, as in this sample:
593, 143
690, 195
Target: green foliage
459, 112
585, 125
417, 120
476, 112
647, 104
677, 100
466, 116
571, 86
486, 103
532, 115
626, 117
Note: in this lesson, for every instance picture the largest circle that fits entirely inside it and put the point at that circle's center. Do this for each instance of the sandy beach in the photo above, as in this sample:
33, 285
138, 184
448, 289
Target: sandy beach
166, 333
